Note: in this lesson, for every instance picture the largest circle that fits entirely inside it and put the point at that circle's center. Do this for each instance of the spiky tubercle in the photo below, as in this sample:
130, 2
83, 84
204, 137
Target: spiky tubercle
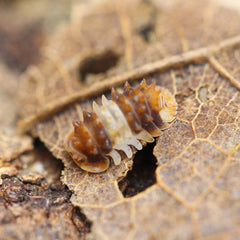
119, 127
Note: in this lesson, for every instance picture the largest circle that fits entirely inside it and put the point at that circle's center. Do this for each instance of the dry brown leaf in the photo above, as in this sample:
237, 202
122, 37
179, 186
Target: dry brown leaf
196, 194
21, 40
33, 202
11, 143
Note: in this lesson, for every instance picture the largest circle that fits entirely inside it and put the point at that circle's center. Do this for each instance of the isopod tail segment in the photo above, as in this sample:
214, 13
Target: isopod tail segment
117, 128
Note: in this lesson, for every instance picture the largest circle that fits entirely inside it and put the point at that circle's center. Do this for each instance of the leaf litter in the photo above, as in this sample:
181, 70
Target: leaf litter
196, 56
30, 190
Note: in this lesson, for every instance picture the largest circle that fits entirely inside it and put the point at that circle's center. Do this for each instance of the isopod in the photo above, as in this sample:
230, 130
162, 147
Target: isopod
117, 128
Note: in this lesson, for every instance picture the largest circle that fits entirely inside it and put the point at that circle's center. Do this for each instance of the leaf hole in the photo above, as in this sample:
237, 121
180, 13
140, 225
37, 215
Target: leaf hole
145, 20
182, 97
142, 174
81, 222
179, 78
100, 63
146, 31
203, 94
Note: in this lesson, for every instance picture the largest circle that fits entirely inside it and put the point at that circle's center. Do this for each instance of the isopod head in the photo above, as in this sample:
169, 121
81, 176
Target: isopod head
167, 105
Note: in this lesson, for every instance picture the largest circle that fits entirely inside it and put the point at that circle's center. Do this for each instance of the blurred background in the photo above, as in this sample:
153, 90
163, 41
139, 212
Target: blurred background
50, 48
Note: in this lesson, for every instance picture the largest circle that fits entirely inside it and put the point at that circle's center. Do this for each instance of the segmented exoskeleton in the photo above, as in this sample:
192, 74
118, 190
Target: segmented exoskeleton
119, 127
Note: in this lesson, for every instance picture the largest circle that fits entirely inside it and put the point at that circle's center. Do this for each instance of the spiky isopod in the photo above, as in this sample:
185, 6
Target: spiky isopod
119, 127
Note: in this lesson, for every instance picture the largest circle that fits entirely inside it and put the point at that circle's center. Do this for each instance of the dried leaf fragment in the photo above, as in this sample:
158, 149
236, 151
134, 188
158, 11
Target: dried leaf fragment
197, 174
13, 144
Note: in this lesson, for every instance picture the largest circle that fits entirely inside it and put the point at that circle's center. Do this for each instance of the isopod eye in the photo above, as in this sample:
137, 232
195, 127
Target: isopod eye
83, 160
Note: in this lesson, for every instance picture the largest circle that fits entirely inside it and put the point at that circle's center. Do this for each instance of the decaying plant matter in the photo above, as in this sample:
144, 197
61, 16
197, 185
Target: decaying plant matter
188, 47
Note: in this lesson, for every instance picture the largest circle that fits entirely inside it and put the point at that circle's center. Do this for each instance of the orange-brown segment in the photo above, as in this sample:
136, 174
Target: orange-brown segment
97, 131
84, 150
152, 95
142, 108
127, 110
